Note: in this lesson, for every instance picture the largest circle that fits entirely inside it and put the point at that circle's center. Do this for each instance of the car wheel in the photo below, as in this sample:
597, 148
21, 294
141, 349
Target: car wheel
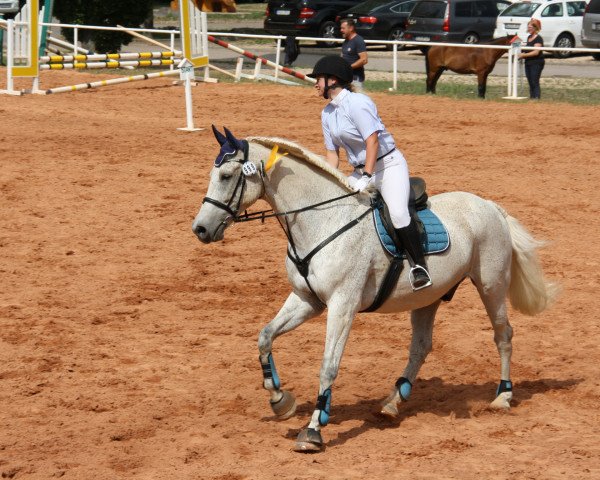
596, 56
564, 40
395, 34
471, 37
327, 30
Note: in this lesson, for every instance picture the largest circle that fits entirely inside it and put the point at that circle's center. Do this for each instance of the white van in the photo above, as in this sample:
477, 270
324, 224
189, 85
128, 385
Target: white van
561, 22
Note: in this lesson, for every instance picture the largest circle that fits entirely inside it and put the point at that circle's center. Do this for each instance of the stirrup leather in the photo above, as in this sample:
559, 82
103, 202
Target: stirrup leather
411, 277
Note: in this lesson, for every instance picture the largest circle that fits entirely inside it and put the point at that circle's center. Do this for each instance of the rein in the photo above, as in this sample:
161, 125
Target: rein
248, 217
302, 264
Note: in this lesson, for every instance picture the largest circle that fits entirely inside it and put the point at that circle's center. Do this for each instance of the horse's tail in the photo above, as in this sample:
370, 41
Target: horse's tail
529, 292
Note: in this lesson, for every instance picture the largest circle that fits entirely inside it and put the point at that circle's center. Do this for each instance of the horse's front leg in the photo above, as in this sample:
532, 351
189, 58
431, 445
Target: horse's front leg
339, 322
295, 311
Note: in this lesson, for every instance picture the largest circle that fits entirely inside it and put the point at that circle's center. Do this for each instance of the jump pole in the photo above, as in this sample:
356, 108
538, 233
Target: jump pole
177, 53
107, 64
114, 81
262, 60
108, 56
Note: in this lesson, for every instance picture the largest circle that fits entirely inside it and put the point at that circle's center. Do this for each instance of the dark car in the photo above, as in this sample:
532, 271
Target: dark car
457, 21
590, 31
305, 18
380, 19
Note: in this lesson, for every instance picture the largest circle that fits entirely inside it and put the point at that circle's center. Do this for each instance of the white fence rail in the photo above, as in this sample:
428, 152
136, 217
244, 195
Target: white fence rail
173, 34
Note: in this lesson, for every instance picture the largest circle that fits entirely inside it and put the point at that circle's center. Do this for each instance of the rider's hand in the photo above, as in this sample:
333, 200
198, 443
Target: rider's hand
362, 183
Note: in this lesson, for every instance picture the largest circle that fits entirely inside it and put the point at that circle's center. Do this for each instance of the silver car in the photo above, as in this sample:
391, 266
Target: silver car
590, 28
9, 6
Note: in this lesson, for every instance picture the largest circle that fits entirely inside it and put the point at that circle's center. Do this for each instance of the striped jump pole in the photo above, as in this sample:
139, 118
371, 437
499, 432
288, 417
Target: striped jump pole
108, 56
114, 81
262, 60
108, 64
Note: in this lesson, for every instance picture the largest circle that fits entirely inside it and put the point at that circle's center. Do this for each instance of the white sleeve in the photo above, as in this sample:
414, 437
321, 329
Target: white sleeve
365, 117
329, 145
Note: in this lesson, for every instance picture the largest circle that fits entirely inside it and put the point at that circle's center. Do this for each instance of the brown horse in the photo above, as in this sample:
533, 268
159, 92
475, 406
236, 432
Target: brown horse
479, 61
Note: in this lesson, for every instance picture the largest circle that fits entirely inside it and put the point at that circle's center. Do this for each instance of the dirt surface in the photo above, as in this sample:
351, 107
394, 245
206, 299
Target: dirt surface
128, 348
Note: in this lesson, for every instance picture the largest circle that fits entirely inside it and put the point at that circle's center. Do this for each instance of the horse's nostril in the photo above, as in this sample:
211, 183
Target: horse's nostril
199, 230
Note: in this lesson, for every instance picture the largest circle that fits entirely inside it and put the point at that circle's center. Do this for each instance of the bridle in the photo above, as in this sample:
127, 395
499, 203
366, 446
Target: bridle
240, 185
248, 169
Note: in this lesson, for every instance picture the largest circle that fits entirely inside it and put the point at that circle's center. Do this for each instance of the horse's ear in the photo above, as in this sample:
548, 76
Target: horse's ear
222, 139
231, 138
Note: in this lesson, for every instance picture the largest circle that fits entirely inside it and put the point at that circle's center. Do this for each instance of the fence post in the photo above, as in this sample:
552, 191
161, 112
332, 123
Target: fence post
10, 52
1, 46
238, 69
75, 40
513, 71
257, 66
278, 57
395, 67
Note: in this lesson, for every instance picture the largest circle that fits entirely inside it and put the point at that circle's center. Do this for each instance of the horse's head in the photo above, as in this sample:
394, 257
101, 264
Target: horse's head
235, 184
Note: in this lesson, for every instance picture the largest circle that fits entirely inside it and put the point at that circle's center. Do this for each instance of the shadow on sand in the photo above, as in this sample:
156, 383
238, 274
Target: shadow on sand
429, 396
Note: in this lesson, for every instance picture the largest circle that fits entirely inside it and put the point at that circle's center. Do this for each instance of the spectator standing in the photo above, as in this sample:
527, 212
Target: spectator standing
534, 59
292, 50
354, 51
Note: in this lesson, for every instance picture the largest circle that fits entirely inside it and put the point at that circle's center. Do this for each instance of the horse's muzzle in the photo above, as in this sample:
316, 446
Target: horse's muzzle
201, 233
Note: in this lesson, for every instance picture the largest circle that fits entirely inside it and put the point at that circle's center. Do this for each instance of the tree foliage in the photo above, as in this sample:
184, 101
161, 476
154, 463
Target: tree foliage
102, 13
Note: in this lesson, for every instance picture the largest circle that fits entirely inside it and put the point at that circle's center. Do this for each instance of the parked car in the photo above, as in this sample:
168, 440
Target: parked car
380, 19
590, 27
9, 6
561, 22
305, 18
457, 21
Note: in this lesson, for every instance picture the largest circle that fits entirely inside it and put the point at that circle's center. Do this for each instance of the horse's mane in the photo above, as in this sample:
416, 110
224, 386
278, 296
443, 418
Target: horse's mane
500, 40
302, 153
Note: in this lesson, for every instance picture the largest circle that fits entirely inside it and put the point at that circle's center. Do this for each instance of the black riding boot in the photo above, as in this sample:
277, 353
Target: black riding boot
411, 241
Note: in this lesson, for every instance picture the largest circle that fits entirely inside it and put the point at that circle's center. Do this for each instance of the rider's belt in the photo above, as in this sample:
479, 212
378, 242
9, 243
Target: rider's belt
362, 165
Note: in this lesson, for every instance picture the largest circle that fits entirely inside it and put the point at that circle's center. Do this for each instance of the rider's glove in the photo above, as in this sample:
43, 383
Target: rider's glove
362, 183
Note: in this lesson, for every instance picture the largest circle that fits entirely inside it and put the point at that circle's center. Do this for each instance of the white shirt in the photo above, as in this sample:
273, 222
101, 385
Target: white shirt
348, 120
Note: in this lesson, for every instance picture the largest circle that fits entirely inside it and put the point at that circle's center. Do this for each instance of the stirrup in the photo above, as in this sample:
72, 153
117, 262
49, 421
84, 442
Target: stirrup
411, 278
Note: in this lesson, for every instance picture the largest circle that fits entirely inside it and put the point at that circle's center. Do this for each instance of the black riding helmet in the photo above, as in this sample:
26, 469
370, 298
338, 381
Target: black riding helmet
333, 66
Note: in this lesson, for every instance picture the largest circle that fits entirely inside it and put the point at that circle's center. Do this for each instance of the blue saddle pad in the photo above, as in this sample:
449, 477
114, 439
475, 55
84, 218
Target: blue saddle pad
436, 239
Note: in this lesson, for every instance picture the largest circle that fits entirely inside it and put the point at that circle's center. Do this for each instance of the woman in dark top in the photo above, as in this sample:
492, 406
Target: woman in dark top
534, 59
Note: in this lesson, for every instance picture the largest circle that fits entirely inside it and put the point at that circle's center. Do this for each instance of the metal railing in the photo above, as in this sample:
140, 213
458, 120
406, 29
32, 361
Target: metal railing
396, 44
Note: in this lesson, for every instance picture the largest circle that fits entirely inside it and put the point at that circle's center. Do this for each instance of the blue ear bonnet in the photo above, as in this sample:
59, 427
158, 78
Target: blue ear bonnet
230, 146
227, 152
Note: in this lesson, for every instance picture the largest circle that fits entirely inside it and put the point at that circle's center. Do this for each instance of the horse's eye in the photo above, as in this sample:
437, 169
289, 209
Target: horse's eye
225, 176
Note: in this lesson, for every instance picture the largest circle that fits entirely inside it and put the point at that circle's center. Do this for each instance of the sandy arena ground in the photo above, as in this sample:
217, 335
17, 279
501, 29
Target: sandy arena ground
128, 348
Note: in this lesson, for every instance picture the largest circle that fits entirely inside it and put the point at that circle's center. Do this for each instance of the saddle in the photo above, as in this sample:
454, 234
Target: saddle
434, 236
417, 201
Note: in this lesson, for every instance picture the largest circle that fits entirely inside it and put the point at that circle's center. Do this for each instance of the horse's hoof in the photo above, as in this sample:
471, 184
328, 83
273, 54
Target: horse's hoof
309, 440
285, 407
389, 407
389, 410
502, 401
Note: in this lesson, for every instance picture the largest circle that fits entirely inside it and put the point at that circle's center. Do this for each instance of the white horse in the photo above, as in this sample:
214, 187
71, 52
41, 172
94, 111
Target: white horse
487, 245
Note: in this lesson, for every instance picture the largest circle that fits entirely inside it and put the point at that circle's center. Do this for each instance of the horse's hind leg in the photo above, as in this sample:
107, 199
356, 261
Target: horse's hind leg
493, 295
432, 79
420, 346
295, 311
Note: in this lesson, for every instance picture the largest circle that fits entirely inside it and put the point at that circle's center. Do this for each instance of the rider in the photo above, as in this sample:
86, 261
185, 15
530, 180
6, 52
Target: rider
350, 121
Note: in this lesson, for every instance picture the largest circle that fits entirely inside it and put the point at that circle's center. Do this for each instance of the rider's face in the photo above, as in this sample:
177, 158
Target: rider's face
320, 85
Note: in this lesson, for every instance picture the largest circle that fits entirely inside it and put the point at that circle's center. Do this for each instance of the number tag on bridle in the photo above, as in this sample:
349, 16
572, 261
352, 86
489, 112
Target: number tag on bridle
249, 168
